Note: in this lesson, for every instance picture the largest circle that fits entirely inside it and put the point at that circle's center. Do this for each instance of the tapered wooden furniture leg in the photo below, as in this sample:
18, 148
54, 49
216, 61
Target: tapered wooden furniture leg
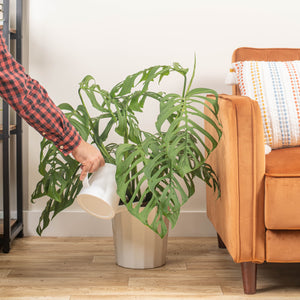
220, 242
249, 271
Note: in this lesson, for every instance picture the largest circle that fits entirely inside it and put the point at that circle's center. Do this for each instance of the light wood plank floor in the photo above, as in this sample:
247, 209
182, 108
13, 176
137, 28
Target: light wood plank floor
84, 268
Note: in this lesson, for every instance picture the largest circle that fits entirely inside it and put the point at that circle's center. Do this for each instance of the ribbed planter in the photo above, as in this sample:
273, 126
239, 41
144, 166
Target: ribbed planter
137, 246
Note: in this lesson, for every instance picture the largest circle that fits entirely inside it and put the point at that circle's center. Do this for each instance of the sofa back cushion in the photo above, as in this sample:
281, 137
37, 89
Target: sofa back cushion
263, 54
275, 85
266, 54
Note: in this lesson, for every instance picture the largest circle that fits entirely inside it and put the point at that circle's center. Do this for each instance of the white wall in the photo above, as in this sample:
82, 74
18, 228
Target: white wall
110, 39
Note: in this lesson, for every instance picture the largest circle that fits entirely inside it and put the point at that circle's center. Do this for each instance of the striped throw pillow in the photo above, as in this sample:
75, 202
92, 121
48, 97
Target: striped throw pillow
276, 88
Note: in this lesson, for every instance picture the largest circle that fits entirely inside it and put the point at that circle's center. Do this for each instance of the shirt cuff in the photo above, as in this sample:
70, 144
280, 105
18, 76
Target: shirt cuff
69, 142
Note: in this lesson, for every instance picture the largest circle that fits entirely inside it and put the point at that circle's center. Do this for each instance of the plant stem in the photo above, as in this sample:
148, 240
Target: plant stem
107, 157
101, 147
184, 86
193, 75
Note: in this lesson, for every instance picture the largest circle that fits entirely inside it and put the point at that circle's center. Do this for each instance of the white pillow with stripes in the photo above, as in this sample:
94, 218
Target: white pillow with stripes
276, 87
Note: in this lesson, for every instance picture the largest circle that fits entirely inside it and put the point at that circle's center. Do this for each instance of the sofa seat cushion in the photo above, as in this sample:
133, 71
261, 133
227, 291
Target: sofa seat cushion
282, 189
282, 246
283, 162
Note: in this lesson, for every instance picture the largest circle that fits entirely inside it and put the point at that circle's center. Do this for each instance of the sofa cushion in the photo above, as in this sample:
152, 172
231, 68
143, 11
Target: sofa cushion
282, 189
275, 85
283, 162
283, 246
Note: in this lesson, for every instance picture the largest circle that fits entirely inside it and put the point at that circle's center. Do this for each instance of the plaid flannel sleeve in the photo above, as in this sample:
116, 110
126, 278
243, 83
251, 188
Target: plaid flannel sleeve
31, 101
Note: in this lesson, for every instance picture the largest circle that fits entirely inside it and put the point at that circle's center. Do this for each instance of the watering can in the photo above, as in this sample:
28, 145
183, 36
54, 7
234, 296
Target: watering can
99, 193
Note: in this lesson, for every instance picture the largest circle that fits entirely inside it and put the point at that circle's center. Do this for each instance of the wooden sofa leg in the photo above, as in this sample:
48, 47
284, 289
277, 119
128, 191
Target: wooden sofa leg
220, 242
249, 271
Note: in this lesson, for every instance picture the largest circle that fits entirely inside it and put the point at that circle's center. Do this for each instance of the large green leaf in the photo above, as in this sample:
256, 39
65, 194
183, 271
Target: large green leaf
184, 135
135, 167
60, 179
60, 182
78, 118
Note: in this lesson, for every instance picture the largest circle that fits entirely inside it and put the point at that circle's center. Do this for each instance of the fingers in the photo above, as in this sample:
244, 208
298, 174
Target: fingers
91, 166
90, 158
84, 172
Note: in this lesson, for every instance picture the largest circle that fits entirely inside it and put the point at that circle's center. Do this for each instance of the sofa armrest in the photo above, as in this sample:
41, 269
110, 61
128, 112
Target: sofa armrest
239, 162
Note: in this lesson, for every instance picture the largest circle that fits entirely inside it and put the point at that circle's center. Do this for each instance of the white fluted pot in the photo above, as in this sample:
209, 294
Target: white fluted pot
137, 246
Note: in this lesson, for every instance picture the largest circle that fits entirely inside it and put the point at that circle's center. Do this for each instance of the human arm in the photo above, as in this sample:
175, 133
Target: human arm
32, 102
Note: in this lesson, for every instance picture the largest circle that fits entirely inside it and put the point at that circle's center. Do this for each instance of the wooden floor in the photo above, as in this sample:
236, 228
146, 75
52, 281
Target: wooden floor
84, 268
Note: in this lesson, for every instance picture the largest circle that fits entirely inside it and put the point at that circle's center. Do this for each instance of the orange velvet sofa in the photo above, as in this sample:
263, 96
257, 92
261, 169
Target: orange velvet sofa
257, 217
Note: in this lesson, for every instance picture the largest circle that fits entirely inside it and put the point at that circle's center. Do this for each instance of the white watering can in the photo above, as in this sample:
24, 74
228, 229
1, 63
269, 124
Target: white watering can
99, 193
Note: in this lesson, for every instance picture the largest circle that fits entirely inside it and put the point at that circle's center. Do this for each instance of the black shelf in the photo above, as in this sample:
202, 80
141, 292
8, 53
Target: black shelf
11, 228
12, 32
12, 131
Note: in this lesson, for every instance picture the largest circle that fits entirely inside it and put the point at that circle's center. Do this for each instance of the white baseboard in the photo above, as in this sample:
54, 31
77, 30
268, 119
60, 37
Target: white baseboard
79, 223
13, 214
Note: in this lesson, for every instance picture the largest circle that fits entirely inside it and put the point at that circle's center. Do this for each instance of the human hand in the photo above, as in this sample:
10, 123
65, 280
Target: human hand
90, 158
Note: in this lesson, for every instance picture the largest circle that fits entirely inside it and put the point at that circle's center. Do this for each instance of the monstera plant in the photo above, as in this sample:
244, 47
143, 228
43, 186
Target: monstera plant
155, 170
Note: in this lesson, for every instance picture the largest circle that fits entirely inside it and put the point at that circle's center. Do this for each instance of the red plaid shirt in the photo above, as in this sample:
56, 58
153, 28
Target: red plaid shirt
31, 101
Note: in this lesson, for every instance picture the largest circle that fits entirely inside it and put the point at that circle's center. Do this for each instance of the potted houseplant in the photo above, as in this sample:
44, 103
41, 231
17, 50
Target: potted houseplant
155, 171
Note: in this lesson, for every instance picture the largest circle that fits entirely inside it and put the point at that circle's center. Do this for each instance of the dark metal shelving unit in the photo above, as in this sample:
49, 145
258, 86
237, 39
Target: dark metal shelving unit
11, 228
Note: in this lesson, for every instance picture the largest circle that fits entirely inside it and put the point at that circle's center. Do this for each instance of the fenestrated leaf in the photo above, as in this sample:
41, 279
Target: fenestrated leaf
59, 181
134, 103
184, 135
78, 118
89, 86
208, 175
66, 107
178, 68
128, 84
54, 207
44, 218
121, 129
107, 129
161, 181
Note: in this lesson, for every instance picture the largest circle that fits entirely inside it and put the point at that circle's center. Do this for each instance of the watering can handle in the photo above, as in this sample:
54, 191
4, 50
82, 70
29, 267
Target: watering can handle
85, 182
